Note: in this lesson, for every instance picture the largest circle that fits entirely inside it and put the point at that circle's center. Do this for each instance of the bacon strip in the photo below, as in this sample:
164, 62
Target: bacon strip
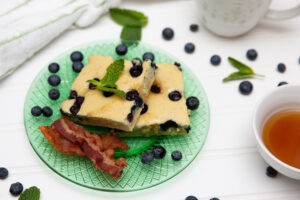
68, 137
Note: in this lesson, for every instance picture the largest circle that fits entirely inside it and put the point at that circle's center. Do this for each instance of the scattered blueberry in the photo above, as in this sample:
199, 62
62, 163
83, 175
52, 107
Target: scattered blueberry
194, 27
3, 173
36, 111
53, 67
176, 155
53, 94
47, 111
271, 172
168, 33
148, 56
130, 117
155, 89
144, 110
191, 198
132, 95
251, 54
76, 56
121, 49
77, 66
54, 80
246, 87
147, 157
159, 152
189, 47
73, 94
136, 70
192, 103
215, 60
281, 67
175, 95
282, 83
16, 189
214, 198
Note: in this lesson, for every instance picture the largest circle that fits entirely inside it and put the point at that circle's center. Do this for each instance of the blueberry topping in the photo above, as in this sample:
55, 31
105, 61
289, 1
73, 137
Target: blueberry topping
281, 67
154, 66
137, 62
136, 70
144, 110
92, 86
188, 129
194, 27
215, 60
155, 89
54, 80
130, 117
271, 172
53, 67
148, 56
77, 66
147, 157
251, 54
108, 94
121, 49
16, 189
132, 95
191, 198
73, 94
246, 87
189, 47
79, 100
74, 109
168, 124
214, 198
178, 65
53, 94
168, 33
3, 173
139, 102
36, 111
159, 152
282, 83
176, 155
175, 95
76, 56
132, 110
192, 103
47, 111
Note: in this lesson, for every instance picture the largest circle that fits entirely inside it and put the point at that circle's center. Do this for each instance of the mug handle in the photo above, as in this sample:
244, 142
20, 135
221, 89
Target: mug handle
283, 14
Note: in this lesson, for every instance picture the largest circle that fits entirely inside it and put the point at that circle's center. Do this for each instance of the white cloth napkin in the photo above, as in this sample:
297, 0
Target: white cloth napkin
29, 25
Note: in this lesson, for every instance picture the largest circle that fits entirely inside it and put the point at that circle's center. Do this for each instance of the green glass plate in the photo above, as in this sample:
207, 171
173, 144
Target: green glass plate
136, 176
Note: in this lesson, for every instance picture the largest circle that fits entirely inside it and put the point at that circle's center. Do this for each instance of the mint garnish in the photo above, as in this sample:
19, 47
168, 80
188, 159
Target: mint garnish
108, 82
32, 193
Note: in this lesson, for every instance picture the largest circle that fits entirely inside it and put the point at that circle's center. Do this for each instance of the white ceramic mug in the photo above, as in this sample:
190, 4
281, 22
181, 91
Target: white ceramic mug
231, 18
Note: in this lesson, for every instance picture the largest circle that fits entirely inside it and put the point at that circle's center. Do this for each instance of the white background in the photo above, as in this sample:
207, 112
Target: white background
229, 165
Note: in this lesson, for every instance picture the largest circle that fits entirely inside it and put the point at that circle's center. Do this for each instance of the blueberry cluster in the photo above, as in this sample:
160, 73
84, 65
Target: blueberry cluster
159, 152
15, 188
191, 197
76, 58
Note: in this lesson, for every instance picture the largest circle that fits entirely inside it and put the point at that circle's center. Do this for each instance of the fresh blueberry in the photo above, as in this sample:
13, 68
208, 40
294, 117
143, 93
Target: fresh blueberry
77, 66
168, 124
132, 95
251, 54
54, 80
159, 152
16, 189
155, 89
148, 56
194, 27
191, 198
281, 67
136, 70
53, 67
3, 173
92, 86
121, 49
144, 110
246, 87
76, 56
47, 111
192, 103
130, 117
215, 60
147, 157
73, 94
168, 33
189, 47
271, 172
282, 83
36, 111
53, 94
176, 155
214, 198
175, 95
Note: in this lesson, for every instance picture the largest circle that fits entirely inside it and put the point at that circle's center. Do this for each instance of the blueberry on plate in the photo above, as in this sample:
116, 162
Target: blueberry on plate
76, 56
47, 111
281, 67
191, 197
77, 66
176, 155
251, 54
194, 27
121, 49
282, 83
54, 80
147, 157
3, 173
148, 56
189, 47
53, 94
215, 60
36, 111
159, 152
168, 33
16, 188
246, 87
53, 67
192, 103
271, 172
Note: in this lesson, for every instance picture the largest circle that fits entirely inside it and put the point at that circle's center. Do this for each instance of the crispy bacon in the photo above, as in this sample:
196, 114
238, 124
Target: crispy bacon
68, 137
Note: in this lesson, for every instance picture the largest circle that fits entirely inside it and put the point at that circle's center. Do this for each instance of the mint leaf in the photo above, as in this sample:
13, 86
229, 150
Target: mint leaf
131, 34
240, 66
126, 17
32, 193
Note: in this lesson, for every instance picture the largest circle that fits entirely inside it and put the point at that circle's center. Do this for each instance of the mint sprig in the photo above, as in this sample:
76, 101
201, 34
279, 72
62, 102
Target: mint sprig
108, 82
32, 193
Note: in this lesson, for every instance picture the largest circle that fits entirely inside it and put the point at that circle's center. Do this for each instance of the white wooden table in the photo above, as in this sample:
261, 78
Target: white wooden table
229, 166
